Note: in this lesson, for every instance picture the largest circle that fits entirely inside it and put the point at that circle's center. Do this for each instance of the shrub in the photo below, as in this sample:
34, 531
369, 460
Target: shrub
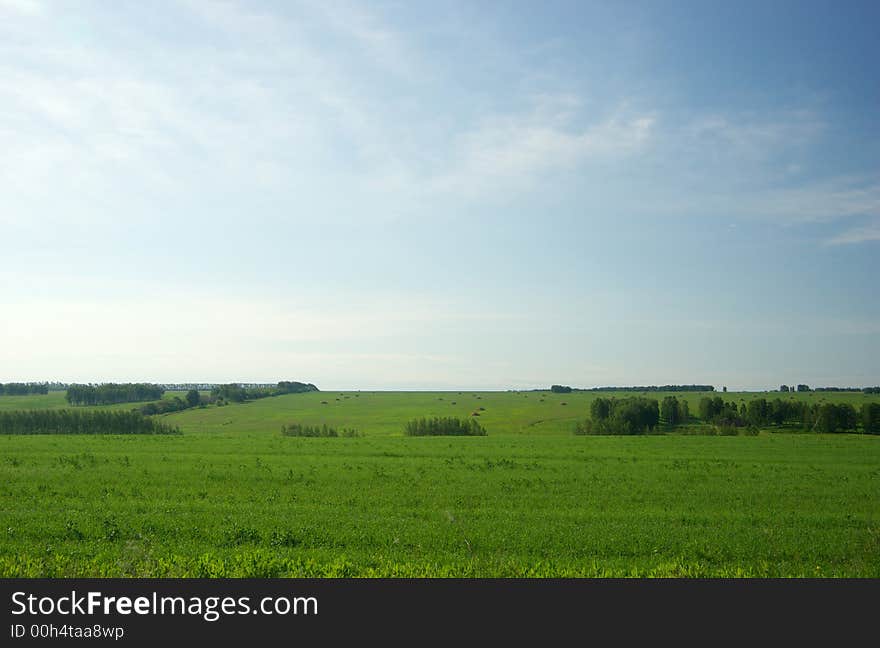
165, 406
726, 429
593, 427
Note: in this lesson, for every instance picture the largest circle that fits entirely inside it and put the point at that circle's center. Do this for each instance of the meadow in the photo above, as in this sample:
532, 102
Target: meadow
232, 496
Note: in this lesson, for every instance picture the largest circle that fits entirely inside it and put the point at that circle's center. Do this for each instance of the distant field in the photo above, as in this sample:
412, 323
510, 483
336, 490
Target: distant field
384, 413
55, 400
232, 497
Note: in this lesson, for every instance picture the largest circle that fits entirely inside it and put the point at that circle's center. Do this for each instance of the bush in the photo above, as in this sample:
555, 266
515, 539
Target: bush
729, 429
444, 426
593, 427
165, 406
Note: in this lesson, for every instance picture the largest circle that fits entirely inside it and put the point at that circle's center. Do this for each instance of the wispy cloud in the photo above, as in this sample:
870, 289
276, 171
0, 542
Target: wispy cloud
749, 135
510, 153
822, 201
279, 112
870, 232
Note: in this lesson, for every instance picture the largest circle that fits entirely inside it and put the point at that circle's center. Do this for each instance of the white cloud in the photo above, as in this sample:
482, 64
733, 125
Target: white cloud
25, 7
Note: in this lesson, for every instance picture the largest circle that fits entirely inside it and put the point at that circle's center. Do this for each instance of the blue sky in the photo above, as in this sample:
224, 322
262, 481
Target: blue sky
440, 195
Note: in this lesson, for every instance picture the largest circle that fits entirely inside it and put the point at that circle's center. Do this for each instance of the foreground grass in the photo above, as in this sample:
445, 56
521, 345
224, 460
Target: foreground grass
238, 499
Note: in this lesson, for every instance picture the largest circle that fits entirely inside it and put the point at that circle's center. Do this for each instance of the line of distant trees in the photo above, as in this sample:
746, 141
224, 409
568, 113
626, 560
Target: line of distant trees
23, 389
806, 388
236, 393
112, 393
565, 389
655, 388
66, 421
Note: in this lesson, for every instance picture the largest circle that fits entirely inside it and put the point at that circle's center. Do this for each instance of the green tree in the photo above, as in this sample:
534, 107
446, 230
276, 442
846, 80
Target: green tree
871, 418
670, 410
684, 411
600, 409
758, 412
193, 398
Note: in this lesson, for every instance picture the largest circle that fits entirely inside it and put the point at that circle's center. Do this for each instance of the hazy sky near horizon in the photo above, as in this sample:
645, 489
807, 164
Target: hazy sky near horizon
476, 195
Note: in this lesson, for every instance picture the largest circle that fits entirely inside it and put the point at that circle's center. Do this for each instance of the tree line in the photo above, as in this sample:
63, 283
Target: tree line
639, 415
444, 426
655, 388
806, 388
81, 422
23, 389
236, 393
300, 430
112, 393
827, 418
176, 404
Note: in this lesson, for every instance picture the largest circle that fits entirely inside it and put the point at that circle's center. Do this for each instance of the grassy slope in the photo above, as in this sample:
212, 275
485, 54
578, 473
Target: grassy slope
234, 497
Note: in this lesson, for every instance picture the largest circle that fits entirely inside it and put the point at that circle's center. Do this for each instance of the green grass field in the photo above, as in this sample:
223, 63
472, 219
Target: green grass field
233, 497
